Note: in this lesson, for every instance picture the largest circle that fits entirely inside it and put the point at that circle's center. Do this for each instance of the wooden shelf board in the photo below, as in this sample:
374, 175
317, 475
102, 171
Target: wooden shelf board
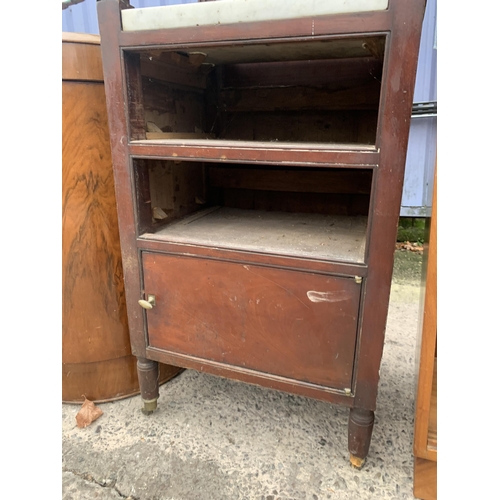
336, 238
180, 139
259, 152
176, 136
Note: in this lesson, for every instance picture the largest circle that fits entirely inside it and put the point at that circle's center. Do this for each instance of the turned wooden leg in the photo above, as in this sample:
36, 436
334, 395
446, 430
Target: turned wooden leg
360, 435
147, 372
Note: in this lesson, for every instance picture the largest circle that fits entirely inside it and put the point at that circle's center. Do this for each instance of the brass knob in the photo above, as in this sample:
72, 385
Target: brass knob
148, 304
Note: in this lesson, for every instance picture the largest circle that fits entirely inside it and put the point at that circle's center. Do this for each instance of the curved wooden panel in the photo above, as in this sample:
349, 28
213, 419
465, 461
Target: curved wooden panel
107, 380
96, 352
94, 312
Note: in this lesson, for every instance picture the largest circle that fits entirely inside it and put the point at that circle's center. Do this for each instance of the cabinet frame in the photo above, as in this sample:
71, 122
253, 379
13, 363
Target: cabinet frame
401, 23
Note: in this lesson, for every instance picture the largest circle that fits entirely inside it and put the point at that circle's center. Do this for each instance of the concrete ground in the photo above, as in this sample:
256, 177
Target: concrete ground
217, 439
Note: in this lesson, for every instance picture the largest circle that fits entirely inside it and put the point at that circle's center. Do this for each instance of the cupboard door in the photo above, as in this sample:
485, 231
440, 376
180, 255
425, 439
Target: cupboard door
293, 324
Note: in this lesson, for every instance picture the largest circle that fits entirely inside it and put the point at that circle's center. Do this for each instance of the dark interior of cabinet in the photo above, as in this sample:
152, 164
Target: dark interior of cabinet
316, 92
294, 210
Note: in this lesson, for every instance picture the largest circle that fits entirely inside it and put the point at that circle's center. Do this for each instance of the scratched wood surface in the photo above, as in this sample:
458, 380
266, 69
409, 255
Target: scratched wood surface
296, 325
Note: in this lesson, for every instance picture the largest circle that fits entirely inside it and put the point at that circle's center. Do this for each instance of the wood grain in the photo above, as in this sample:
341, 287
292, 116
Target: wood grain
425, 479
320, 191
81, 62
432, 432
85, 38
107, 380
96, 352
261, 152
318, 126
135, 96
170, 108
315, 73
302, 98
284, 201
178, 189
94, 310
426, 397
296, 180
174, 71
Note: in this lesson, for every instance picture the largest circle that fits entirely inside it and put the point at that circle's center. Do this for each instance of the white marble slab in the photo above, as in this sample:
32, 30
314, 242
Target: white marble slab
239, 11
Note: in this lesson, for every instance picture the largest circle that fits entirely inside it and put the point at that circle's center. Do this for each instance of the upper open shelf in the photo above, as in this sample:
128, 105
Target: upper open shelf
324, 92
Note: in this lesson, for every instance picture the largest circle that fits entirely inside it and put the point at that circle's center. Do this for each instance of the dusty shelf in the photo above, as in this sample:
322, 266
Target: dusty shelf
330, 237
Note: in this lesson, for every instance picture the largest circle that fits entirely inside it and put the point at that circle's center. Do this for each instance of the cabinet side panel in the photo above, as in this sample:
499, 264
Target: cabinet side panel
109, 27
394, 121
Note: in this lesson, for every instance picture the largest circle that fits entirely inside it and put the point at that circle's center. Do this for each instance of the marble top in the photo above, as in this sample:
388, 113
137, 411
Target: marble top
239, 11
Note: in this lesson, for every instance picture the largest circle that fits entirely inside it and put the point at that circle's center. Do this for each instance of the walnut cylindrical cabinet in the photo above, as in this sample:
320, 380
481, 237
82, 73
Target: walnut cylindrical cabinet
96, 355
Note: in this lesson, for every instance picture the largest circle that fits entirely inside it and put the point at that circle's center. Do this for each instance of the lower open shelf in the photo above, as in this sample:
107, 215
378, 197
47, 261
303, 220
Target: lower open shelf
330, 237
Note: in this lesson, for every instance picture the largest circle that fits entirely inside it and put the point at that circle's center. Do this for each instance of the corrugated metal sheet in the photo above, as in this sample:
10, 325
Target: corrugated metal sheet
420, 162
82, 17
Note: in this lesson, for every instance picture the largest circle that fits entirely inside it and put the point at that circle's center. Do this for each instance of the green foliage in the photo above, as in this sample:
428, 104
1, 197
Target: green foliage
411, 229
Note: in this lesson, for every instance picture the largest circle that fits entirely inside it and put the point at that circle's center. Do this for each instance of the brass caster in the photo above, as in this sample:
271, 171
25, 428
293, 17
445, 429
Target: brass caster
356, 461
149, 406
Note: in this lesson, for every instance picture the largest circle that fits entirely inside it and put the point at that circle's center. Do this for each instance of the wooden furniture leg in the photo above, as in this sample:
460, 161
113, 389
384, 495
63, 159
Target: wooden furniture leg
360, 435
147, 371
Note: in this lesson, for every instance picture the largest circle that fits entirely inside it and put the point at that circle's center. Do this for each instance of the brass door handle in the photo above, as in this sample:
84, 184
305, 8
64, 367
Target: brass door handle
148, 304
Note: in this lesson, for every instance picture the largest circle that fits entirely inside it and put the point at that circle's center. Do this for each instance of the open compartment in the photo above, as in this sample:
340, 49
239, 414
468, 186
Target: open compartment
324, 91
296, 211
